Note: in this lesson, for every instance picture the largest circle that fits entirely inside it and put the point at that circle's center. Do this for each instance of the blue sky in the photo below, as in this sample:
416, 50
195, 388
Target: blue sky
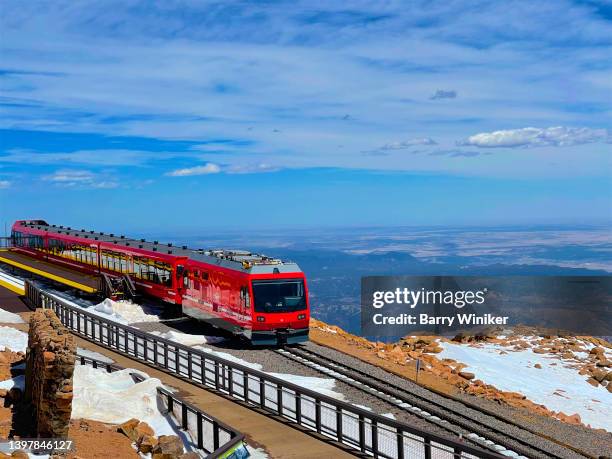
190, 114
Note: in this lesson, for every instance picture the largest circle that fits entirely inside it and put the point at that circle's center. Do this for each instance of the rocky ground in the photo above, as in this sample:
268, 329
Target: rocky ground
588, 355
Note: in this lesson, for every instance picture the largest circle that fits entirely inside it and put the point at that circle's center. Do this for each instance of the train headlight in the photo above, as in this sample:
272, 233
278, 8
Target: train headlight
261, 319
301, 316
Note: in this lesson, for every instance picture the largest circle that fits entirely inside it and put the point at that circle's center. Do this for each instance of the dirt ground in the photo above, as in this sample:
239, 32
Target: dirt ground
340, 343
95, 440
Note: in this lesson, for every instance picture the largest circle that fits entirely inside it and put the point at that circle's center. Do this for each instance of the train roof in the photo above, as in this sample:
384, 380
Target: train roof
241, 260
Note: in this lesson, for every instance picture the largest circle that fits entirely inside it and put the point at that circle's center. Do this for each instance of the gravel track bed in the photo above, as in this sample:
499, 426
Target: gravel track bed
272, 362
592, 442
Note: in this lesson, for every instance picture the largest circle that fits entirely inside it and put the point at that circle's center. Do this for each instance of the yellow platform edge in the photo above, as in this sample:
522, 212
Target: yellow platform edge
60, 279
11, 287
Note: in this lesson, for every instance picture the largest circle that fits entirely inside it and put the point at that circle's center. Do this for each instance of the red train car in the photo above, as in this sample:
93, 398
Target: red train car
258, 297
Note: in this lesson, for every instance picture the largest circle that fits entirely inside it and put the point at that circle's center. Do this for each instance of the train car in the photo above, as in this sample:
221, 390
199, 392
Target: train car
260, 298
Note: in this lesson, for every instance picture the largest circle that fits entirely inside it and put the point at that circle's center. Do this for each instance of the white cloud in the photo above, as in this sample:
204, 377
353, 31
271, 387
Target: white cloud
281, 67
212, 168
251, 168
208, 168
442, 94
82, 178
537, 137
408, 143
4, 184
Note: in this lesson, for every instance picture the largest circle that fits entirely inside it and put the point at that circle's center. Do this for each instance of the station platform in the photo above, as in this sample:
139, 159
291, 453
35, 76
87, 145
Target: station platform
11, 301
66, 276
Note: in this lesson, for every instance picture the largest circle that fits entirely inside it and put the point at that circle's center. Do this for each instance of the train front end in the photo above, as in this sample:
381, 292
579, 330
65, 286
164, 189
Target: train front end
280, 309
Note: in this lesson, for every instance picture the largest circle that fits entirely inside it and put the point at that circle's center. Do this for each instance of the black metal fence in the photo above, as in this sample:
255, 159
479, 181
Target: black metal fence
358, 428
209, 434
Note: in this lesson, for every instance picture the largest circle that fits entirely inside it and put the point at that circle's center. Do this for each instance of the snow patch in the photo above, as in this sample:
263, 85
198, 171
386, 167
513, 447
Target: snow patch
119, 396
17, 381
321, 385
13, 339
515, 371
7, 317
126, 311
187, 339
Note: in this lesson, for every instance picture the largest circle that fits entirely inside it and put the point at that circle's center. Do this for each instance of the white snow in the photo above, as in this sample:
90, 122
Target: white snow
321, 385
187, 339
9, 317
17, 381
119, 397
124, 311
555, 386
94, 355
230, 357
13, 339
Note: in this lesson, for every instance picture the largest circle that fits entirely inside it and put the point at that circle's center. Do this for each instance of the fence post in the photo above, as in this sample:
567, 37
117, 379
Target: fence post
374, 425
298, 407
362, 445
200, 439
262, 392
279, 399
427, 445
184, 421
400, 444
339, 432
215, 428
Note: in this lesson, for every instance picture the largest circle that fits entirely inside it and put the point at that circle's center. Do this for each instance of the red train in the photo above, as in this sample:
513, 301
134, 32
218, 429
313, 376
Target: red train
258, 297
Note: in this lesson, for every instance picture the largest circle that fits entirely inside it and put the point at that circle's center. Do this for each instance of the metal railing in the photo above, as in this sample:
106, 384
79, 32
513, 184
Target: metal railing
210, 435
362, 430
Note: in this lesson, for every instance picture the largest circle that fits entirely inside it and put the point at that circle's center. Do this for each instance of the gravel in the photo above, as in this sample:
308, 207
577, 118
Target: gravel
273, 362
594, 443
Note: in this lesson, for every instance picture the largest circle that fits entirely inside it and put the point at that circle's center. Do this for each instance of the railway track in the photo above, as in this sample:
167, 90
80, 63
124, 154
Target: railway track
459, 422
477, 425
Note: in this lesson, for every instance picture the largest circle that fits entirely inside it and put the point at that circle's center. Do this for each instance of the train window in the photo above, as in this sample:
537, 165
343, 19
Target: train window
279, 295
204, 275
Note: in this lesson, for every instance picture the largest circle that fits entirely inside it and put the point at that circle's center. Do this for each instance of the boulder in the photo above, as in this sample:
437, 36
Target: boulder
146, 444
467, 375
593, 382
599, 374
143, 429
168, 447
538, 366
128, 428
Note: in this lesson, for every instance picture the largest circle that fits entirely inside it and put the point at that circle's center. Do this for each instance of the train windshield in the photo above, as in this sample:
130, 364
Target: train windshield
282, 295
